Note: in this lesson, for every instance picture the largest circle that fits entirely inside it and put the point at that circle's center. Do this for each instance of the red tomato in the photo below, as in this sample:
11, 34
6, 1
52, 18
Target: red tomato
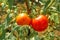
23, 19
40, 23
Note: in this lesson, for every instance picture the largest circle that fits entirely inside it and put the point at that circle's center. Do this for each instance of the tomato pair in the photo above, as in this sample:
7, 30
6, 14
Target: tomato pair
39, 23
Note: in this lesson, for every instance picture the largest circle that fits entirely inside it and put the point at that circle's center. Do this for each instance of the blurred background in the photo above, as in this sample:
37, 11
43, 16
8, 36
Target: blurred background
9, 9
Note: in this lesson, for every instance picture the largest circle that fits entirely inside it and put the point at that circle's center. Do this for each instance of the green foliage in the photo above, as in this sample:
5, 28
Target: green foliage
2, 31
10, 3
25, 32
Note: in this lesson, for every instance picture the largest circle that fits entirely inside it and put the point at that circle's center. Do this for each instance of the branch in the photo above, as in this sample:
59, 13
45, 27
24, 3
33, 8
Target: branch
52, 1
28, 9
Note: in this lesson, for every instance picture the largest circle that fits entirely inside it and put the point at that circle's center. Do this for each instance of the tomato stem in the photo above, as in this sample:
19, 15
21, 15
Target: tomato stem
28, 9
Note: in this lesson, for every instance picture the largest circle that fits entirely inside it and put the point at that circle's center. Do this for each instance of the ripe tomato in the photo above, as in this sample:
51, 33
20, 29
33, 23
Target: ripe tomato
23, 19
40, 23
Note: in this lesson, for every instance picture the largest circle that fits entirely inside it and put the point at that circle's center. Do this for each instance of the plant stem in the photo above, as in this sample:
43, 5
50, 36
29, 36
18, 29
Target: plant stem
28, 9
50, 3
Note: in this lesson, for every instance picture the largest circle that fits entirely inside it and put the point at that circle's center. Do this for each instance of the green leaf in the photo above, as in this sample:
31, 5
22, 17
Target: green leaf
45, 6
32, 33
57, 4
56, 19
57, 27
47, 3
8, 18
58, 7
23, 31
52, 36
52, 16
37, 38
10, 2
3, 32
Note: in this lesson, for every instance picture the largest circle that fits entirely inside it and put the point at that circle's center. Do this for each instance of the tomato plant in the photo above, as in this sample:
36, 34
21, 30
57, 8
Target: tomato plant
23, 19
29, 24
40, 23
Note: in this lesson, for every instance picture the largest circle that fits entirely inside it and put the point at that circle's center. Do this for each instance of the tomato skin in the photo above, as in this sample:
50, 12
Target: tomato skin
40, 23
23, 19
